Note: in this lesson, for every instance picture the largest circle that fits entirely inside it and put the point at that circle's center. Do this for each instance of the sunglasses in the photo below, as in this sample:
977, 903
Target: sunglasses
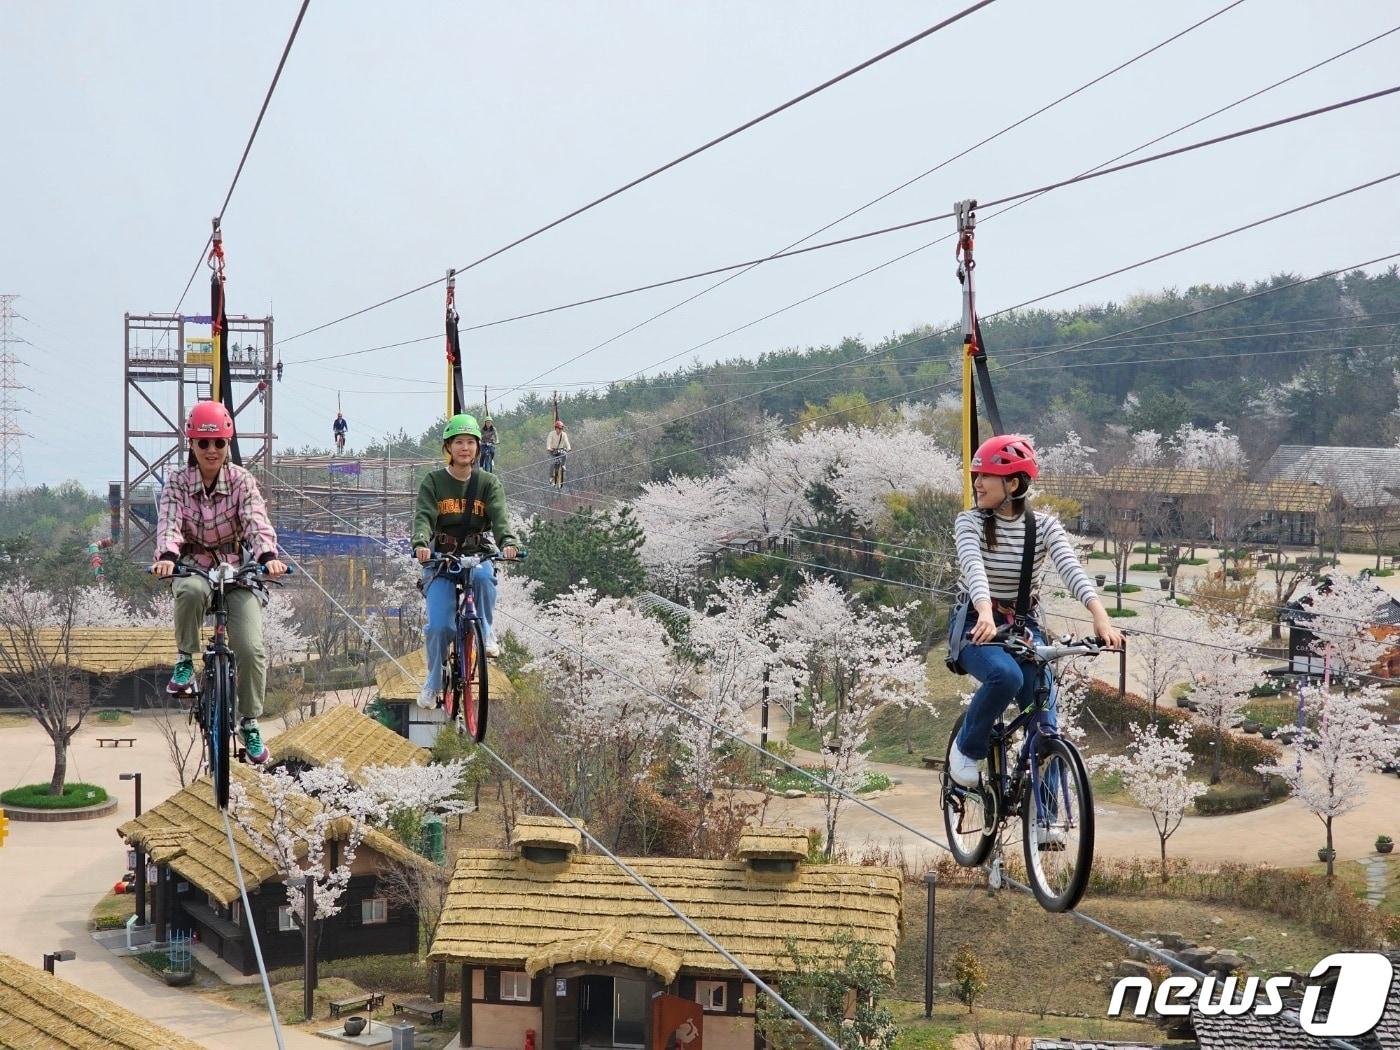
204, 443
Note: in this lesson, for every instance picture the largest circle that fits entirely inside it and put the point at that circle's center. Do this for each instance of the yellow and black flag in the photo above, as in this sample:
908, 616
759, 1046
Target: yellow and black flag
221, 383
456, 391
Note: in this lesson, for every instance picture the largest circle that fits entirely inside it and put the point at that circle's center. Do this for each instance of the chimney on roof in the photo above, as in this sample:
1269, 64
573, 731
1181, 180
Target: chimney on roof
772, 850
546, 840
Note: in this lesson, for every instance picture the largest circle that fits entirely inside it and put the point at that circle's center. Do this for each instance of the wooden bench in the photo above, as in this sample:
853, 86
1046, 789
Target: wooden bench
116, 741
932, 762
424, 1008
368, 1001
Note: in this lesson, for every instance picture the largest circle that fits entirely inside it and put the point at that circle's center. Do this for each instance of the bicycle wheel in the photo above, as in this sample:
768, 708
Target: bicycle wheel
475, 698
218, 692
1057, 825
969, 815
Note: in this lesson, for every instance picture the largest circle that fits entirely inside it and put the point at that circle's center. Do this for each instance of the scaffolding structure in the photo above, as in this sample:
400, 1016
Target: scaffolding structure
169, 363
324, 494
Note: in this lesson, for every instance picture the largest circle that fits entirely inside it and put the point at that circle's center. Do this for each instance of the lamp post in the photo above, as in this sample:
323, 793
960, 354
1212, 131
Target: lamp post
66, 955
140, 857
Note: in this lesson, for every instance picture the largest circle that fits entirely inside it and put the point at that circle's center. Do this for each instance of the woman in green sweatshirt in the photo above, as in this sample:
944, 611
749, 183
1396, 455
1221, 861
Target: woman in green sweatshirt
457, 506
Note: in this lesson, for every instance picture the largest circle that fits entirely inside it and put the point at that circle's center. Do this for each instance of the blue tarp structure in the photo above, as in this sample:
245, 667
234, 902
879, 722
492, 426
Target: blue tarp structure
326, 544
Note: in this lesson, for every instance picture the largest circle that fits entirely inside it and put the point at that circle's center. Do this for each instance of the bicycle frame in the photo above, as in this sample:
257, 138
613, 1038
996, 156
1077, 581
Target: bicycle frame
1036, 722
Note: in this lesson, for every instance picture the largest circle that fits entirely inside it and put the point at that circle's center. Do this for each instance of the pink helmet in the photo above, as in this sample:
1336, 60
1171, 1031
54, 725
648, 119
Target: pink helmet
209, 419
558, 424
1004, 455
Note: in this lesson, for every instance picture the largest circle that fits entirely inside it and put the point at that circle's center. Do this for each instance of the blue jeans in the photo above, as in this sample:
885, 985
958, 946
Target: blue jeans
488, 458
1004, 680
441, 593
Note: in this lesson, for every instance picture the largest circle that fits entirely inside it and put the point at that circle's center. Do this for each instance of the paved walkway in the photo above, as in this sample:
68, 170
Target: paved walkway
53, 874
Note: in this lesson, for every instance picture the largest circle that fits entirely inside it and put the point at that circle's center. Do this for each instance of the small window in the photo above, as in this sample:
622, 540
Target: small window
515, 986
374, 910
712, 996
285, 922
235, 913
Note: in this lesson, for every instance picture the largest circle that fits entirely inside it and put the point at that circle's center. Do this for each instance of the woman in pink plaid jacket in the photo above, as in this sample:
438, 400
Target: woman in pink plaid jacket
208, 512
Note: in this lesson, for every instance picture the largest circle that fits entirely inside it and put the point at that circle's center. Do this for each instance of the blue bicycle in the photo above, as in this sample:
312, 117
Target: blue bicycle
1047, 787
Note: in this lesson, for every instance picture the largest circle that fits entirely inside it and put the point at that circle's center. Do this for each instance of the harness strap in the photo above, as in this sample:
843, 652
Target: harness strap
1023, 590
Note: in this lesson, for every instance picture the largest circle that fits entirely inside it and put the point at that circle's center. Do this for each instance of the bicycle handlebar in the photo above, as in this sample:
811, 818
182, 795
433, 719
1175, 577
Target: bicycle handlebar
239, 577
471, 561
1020, 644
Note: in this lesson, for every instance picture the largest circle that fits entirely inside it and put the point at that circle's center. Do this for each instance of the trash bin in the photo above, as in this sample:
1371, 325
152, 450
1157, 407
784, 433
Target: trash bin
402, 1035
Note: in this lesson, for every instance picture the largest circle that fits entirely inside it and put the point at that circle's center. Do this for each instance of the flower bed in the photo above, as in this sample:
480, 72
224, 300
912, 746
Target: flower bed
76, 795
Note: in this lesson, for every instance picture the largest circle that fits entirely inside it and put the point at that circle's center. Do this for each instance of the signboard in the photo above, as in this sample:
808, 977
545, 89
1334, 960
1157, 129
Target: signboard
676, 1022
199, 350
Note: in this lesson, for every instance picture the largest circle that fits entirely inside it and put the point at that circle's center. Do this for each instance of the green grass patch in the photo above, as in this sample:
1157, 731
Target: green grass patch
11, 720
112, 911
1145, 566
785, 779
1099, 556
75, 795
1122, 588
1185, 603
1194, 561
1147, 549
1122, 614
1382, 572
111, 718
1352, 874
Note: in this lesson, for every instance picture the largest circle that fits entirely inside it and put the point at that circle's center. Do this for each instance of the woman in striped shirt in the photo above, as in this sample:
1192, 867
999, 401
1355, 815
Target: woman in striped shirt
991, 541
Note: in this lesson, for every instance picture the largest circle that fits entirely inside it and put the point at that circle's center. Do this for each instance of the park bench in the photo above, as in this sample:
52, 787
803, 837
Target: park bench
116, 741
367, 1001
424, 1008
932, 762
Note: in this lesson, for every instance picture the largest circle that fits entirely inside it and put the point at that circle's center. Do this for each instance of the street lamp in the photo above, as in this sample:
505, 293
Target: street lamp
140, 871
66, 955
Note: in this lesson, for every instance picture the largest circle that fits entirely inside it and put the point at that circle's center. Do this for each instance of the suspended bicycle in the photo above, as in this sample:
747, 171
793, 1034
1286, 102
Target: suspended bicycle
1047, 787
556, 469
465, 692
215, 709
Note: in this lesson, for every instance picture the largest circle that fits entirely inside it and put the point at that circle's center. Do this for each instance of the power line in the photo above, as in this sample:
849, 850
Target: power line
810, 92
889, 193
248, 147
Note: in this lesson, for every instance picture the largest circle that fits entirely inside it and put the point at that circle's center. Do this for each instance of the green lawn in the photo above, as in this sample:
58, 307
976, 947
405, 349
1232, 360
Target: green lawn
1353, 875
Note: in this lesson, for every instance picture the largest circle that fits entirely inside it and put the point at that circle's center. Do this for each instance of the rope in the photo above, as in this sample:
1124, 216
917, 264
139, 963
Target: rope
253, 932
668, 165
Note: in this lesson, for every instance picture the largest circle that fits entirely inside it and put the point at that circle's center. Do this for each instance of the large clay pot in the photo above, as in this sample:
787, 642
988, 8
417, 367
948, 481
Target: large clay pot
177, 978
354, 1025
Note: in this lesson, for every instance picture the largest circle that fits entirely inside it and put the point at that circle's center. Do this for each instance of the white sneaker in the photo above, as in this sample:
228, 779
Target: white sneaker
427, 698
1049, 838
962, 769
493, 647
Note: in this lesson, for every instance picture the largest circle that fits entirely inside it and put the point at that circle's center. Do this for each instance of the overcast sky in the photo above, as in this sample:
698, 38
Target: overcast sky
406, 138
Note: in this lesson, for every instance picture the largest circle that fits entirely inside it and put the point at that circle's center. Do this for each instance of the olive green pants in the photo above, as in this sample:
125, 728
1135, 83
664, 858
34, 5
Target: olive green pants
245, 635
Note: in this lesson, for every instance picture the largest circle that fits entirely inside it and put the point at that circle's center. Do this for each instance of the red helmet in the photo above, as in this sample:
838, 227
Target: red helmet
558, 424
209, 419
1004, 455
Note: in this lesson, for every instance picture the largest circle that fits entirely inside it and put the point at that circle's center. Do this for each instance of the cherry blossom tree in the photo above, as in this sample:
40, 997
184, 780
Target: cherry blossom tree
1146, 449
1337, 617
1351, 741
1214, 448
769, 485
100, 606
1160, 657
852, 659
284, 642
1222, 673
1069, 458
875, 462
409, 794
1154, 771
684, 524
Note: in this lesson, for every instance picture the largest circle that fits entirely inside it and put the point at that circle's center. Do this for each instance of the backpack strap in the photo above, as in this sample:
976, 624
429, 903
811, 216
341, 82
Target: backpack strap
467, 530
1023, 590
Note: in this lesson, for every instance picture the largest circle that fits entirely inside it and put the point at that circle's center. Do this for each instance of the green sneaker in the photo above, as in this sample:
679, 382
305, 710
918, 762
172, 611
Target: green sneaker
252, 741
182, 678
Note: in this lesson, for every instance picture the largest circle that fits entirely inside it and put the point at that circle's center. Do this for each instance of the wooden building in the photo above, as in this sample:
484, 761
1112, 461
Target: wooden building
196, 887
123, 667
40, 1010
340, 733
551, 940
398, 692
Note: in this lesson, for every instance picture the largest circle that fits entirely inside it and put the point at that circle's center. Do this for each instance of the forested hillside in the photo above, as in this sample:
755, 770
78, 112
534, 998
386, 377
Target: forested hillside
1306, 363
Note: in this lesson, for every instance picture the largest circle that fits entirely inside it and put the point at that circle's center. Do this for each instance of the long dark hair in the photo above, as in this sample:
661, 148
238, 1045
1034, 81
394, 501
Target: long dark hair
1019, 504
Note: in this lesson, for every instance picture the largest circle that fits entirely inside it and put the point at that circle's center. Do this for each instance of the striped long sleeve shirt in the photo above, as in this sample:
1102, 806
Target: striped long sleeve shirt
996, 574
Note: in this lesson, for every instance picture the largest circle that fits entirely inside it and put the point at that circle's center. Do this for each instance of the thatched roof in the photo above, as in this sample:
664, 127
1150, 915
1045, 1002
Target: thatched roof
97, 650
44, 1012
186, 832
766, 843
503, 910
341, 732
612, 945
396, 687
549, 832
1296, 496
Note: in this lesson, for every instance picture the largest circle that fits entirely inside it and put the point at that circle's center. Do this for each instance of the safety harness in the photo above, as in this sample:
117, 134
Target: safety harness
1020, 615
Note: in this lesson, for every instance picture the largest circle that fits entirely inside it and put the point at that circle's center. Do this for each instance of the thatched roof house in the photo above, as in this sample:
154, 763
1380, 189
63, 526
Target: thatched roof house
538, 930
197, 885
398, 691
40, 1010
341, 732
121, 666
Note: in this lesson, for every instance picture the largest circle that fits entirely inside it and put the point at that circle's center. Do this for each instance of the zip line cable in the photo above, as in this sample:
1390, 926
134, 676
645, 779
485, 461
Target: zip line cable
853, 238
890, 193
248, 148
809, 93
1010, 309
1079, 916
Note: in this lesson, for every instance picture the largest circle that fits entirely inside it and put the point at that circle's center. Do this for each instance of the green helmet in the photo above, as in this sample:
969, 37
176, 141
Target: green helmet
461, 424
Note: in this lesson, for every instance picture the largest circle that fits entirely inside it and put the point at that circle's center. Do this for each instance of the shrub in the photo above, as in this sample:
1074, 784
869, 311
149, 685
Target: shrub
1122, 588
1239, 798
109, 716
1145, 566
75, 795
1122, 613
108, 922
1099, 556
969, 975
